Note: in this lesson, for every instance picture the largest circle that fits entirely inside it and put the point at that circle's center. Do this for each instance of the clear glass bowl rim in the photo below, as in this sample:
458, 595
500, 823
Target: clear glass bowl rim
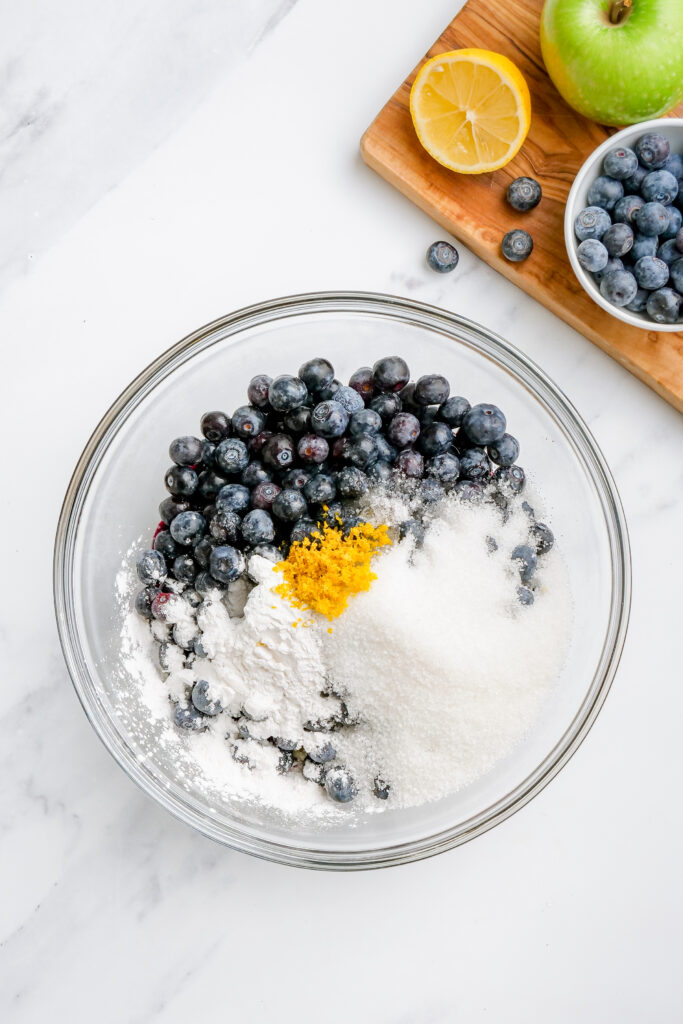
416, 314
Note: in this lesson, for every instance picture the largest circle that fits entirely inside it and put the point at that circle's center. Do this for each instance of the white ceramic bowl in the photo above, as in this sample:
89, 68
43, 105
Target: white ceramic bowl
672, 128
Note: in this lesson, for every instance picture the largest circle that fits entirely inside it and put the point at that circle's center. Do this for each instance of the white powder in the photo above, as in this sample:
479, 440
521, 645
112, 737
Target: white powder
443, 667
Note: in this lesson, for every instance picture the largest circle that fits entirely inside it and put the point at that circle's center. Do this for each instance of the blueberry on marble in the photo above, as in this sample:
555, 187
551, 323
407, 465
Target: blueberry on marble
620, 163
524, 194
605, 192
618, 240
442, 257
484, 424
591, 222
226, 564
592, 255
340, 784
664, 306
186, 451
619, 287
317, 373
651, 273
287, 393
505, 451
517, 245
258, 528
653, 150
659, 187
330, 419
390, 375
188, 527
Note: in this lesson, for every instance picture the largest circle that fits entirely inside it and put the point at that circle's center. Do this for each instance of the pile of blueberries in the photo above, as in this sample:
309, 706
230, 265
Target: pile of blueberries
301, 453
631, 233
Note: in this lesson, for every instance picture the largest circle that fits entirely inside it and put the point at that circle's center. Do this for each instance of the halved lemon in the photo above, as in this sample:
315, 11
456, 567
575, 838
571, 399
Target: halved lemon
471, 109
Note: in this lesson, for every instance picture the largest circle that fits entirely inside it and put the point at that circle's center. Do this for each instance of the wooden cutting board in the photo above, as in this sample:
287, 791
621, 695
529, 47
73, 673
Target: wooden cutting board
473, 207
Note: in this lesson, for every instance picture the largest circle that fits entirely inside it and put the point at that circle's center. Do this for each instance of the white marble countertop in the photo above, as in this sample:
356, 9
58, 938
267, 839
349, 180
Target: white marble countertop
160, 166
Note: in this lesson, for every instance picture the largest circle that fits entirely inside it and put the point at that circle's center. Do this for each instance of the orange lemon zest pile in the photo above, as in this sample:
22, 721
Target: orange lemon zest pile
323, 571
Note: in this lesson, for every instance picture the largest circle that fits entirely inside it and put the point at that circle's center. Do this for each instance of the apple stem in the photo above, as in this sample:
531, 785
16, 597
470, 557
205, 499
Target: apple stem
619, 10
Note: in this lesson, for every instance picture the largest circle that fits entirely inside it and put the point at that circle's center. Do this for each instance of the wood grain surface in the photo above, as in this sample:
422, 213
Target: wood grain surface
473, 207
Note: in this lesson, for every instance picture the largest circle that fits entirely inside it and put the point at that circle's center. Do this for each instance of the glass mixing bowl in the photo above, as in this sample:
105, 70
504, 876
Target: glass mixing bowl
117, 484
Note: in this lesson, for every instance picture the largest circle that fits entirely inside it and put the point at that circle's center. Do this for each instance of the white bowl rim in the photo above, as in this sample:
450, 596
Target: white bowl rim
586, 282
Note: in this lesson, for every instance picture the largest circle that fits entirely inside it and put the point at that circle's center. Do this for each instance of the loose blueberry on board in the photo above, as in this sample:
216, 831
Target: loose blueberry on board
621, 162
676, 272
316, 374
605, 192
517, 245
618, 240
484, 424
505, 451
651, 273
226, 564
524, 194
257, 527
664, 306
625, 209
619, 287
340, 784
287, 393
215, 426
651, 219
591, 222
151, 567
390, 375
659, 187
186, 451
442, 257
653, 150
592, 255
431, 389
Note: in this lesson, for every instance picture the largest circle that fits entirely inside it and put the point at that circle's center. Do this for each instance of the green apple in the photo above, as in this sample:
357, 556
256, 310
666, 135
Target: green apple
615, 61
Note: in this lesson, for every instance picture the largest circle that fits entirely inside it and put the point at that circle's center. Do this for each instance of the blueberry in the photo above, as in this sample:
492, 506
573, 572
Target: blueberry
651, 273
639, 302
442, 257
297, 477
258, 528
231, 455
257, 391
289, 505
232, 498
380, 472
505, 451
248, 421
312, 448
363, 452
592, 222
304, 528
403, 429
651, 219
605, 192
189, 718
674, 164
626, 208
469, 490
201, 551
620, 163
592, 254
340, 448
386, 404
330, 419
163, 604
652, 150
255, 473
184, 568
679, 239
524, 194
436, 439
525, 556
669, 251
410, 463
267, 551
191, 597
543, 538
445, 468
365, 421
381, 788
619, 287
413, 529
390, 374
320, 753
287, 393
453, 410
618, 240
408, 403
224, 527
674, 225
340, 784
348, 398
202, 700
475, 465
510, 479
525, 596
633, 182
431, 491
226, 564
298, 420
517, 245
210, 483
431, 389
328, 393
385, 451
677, 274
215, 426
181, 481
664, 306
278, 451
363, 382
255, 445
205, 584
659, 187
186, 451
484, 424
316, 374
643, 245
165, 545
188, 527
352, 483
143, 602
